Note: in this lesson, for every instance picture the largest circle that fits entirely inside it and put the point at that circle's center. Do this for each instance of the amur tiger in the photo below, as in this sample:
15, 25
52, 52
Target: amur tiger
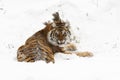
43, 45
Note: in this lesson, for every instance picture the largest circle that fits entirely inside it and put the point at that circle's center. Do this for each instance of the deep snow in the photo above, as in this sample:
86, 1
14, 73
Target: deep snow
95, 25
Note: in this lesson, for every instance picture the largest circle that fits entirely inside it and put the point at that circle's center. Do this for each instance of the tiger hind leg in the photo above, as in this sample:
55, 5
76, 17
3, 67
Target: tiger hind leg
20, 55
30, 53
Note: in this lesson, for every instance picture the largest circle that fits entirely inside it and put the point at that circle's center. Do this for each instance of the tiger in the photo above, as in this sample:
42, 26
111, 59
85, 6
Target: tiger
44, 44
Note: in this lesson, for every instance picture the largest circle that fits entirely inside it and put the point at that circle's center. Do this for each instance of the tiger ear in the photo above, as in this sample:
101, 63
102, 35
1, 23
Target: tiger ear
67, 24
53, 24
48, 26
45, 23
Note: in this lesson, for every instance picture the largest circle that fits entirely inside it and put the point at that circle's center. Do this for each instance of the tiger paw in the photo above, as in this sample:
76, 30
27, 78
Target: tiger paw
49, 60
84, 54
70, 47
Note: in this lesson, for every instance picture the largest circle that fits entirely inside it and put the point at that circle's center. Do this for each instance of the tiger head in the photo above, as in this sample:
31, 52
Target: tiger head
59, 35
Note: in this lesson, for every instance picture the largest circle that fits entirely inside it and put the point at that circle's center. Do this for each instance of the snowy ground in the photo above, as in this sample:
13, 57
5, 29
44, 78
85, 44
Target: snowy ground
95, 23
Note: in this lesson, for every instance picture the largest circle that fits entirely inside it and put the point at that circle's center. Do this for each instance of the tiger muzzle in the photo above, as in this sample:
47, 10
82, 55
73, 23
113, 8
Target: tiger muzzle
61, 42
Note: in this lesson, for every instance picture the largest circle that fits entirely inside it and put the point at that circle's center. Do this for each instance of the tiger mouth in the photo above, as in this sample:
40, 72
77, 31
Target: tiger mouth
60, 42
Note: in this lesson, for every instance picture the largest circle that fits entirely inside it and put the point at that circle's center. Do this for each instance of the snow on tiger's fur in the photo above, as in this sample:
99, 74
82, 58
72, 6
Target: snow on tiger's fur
55, 37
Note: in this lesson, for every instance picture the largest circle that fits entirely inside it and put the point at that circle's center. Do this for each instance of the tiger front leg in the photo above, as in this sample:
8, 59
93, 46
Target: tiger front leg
84, 54
80, 54
71, 49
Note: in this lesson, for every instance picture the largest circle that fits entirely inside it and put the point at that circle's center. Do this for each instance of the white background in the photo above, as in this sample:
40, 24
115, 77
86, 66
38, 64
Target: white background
95, 25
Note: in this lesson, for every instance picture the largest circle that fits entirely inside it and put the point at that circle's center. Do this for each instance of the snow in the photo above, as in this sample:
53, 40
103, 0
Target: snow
95, 25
